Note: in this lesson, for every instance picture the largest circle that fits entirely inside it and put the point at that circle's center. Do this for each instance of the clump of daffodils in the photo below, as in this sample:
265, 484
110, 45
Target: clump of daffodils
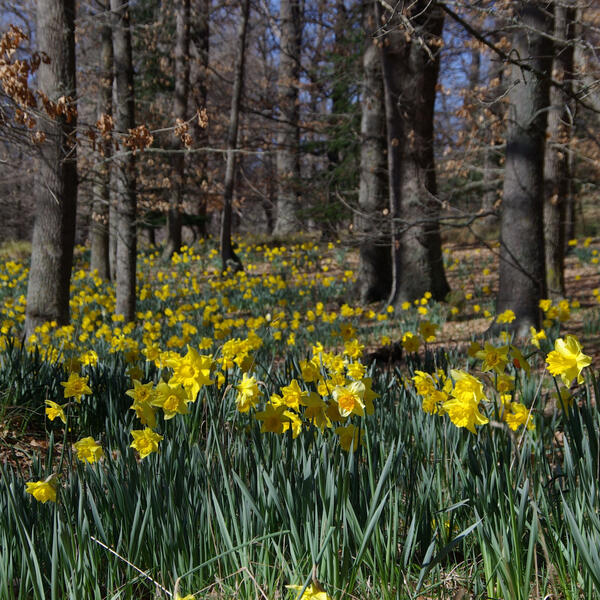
331, 393
468, 401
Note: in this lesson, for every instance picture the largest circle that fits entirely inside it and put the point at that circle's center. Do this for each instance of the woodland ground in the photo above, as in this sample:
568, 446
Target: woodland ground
424, 510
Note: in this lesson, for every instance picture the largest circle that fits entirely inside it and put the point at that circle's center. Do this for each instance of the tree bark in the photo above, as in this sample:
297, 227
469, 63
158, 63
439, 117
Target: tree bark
180, 104
288, 137
199, 46
410, 71
522, 278
229, 258
557, 163
493, 154
99, 242
56, 180
124, 163
370, 222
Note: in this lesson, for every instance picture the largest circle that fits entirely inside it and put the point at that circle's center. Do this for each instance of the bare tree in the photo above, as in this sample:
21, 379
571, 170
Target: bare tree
371, 224
557, 177
288, 137
180, 104
228, 256
199, 50
99, 237
522, 278
56, 178
410, 71
124, 163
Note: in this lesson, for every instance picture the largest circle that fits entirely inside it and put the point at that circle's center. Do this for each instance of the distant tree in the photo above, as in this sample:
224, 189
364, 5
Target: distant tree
199, 51
288, 136
180, 109
522, 278
410, 56
557, 176
371, 224
56, 177
99, 228
229, 258
124, 108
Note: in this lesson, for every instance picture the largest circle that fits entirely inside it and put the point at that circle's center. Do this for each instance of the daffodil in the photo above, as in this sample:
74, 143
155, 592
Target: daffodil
518, 414
76, 387
54, 410
493, 358
315, 411
142, 393
463, 406
292, 395
536, 336
173, 399
350, 399
145, 441
88, 450
428, 330
248, 393
508, 316
192, 371
567, 360
44, 490
312, 592
349, 437
411, 342
273, 418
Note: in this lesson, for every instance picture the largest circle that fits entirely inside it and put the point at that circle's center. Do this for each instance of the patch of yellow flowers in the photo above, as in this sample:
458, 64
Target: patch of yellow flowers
462, 396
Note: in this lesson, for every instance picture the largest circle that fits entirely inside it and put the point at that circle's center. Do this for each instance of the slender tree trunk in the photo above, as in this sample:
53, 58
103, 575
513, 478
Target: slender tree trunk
556, 166
180, 104
410, 68
492, 155
124, 163
370, 223
99, 260
56, 180
112, 230
199, 41
522, 279
288, 137
229, 258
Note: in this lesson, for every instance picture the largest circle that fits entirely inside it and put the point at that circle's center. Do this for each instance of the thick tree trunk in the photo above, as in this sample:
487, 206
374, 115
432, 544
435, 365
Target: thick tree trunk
556, 166
288, 137
124, 163
229, 258
99, 242
370, 223
180, 104
522, 280
410, 69
197, 163
56, 178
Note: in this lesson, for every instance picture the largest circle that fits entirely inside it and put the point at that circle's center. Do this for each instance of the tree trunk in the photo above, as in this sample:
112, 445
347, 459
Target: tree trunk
288, 137
198, 164
112, 232
99, 242
556, 166
124, 163
56, 180
229, 258
410, 68
180, 104
522, 278
370, 223
493, 153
